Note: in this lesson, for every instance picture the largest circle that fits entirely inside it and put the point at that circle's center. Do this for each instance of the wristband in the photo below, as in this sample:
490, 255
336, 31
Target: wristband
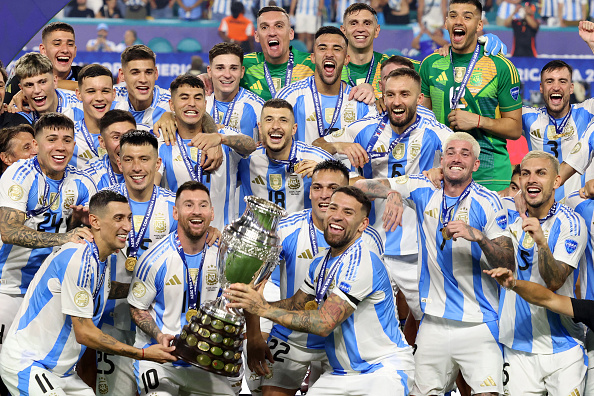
478, 125
142, 353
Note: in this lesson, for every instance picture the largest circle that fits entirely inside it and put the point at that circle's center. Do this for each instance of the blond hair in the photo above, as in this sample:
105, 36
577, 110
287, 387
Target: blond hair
31, 65
465, 137
542, 154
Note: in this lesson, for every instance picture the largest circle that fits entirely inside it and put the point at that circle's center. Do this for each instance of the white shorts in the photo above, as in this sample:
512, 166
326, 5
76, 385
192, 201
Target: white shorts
403, 271
445, 347
291, 363
305, 23
562, 373
156, 379
37, 381
10, 304
386, 381
115, 373
589, 389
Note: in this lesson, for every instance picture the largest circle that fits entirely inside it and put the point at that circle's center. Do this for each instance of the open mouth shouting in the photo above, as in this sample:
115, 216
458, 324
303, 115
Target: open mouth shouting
275, 137
39, 101
556, 99
143, 90
323, 206
335, 229
533, 191
329, 67
63, 60
458, 36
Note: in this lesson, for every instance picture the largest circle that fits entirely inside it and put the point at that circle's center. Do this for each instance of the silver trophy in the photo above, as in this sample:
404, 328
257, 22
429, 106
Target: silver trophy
248, 253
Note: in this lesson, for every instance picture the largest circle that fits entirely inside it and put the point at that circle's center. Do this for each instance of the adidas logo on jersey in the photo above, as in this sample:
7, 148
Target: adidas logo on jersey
256, 87
306, 255
536, 133
488, 382
433, 213
442, 78
174, 280
380, 149
312, 117
259, 180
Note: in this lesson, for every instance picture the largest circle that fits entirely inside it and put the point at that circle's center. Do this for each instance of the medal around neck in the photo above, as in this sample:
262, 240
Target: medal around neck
248, 253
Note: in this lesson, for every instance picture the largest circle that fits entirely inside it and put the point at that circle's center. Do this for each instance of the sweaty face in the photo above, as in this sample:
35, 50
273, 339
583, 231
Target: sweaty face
323, 185
463, 21
193, 212
55, 148
556, 88
360, 28
329, 56
277, 127
97, 94
225, 72
140, 76
458, 162
274, 33
139, 164
21, 146
40, 91
344, 220
188, 104
402, 95
60, 48
538, 181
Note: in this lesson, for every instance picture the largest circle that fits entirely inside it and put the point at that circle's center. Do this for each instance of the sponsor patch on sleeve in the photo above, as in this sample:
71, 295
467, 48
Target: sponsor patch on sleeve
570, 245
514, 92
502, 222
345, 287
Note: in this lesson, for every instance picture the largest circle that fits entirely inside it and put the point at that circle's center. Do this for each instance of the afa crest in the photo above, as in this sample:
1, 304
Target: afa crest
294, 182
160, 224
398, 151
275, 181
211, 277
459, 73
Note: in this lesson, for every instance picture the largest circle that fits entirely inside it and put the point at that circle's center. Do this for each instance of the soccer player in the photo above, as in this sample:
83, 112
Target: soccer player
183, 162
63, 306
57, 43
466, 90
105, 171
230, 105
38, 84
139, 95
279, 63
346, 298
16, 143
302, 238
281, 169
8, 119
514, 184
463, 230
42, 199
549, 241
152, 220
179, 266
321, 102
308, 17
95, 91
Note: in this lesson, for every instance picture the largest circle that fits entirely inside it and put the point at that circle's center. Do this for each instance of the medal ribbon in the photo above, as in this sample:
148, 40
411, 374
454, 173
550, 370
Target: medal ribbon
318, 107
101, 278
324, 283
559, 129
313, 238
136, 239
290, 163
88, 138
372, 67
551, 213
399, 138
113, 180
192, 287
195, 172
462, 88
46, 188
448, 212
229, 111
288, 75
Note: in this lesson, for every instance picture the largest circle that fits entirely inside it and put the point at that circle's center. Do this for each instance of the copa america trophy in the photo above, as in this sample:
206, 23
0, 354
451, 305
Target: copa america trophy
248, 252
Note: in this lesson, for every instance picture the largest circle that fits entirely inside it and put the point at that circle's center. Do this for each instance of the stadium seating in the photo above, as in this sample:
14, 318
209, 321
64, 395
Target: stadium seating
189, 44
160, 44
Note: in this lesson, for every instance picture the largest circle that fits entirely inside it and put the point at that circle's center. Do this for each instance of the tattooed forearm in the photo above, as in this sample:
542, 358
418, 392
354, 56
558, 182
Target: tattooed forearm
374, 188
499, 251
110, 345
118, 290
208, 124
240, 143
14, 232
145, 322
88, 334
553, 272
295, 303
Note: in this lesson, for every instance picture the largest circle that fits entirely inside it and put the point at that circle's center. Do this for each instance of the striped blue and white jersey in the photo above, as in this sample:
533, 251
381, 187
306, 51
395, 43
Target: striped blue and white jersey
585, 208
572, 9
149, 116
549, 8
505, 9
245, 113
22, 188
98, 170
451, 282
530, 328
222, 183
341, 7
67, 284
418, 152
541, 134
160, 285
300, 95
307, 7
297, 253
66, 100
161, 223
580, 156
370, 338
278, 184
221, 7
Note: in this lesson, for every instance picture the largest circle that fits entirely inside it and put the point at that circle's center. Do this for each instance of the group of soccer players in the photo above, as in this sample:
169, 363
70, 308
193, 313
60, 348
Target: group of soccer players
402, 270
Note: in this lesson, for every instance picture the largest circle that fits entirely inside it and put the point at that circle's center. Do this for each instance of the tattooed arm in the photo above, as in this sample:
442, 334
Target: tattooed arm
380, 188
295, 303
88, 334
13, 231
242, 144
374, 188
554, 272
146, 323
118, 290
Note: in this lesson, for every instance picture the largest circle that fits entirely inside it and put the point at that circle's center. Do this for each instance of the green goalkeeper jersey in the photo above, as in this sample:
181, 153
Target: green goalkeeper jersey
254, 78
493, 87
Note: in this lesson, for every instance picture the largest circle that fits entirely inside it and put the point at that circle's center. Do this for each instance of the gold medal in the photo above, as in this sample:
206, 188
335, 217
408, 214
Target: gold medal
444, 234
130, 263
190, 314
311, 305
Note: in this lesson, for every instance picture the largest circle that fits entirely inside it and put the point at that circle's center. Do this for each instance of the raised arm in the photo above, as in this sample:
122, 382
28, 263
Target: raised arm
242, 144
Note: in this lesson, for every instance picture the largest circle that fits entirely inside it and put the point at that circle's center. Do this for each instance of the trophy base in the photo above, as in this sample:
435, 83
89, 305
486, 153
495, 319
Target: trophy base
213, 340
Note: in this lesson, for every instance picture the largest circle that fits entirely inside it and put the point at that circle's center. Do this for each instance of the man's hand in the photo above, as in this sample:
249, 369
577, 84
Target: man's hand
204, 141
212, 235
392, 216
520, 202
459, 229
305, 168
207, 83
363, 93
354, 151
166, 124
257, 354
587, 192
531, 225
79, 235
243, 296
503, 276
461, 120
380, 106
493, 45
213, 159
435, 176
159, 353
586, 30
19, 102
165, 339
80, 215
444, 51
